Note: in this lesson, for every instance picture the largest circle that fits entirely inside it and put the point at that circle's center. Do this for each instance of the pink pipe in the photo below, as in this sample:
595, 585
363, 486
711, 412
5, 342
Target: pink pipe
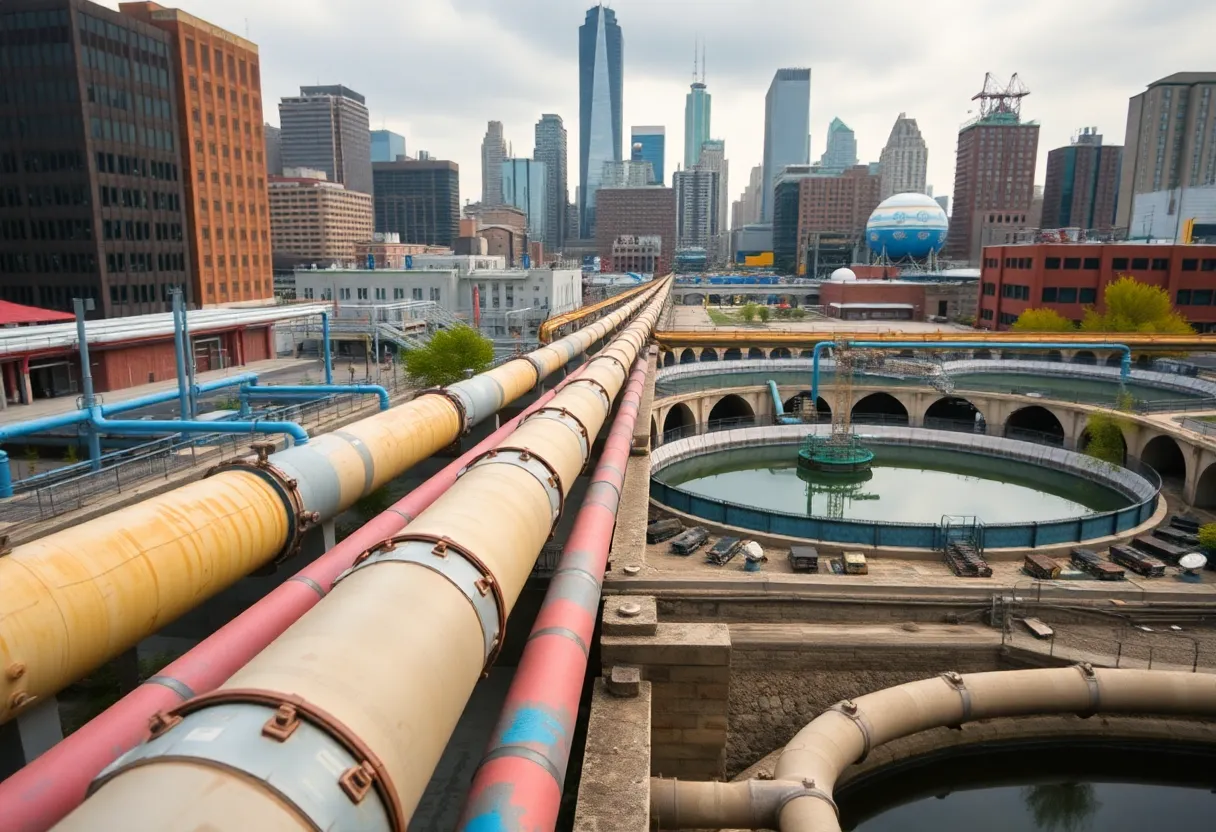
41, 794
518, 785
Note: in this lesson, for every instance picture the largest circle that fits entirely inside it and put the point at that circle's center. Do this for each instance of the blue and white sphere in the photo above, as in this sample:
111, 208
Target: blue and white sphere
907, 225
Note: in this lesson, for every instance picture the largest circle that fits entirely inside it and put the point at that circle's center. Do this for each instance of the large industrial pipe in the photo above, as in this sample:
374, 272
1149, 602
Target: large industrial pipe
518, 785
340, 721
39, 795
74, 599
811, 763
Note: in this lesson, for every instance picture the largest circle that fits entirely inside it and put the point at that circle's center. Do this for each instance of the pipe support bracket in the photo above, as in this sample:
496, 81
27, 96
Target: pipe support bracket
462, 412
565, 417
959, 684
806, 789
1091, 680
285, 487
529, 461
848, 709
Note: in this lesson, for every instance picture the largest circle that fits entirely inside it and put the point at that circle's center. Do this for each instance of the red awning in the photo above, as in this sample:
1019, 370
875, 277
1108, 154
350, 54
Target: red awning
15, 313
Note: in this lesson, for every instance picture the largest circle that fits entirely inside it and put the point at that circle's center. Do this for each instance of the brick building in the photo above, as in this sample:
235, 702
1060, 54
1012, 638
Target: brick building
313, 221
636, 212
219, 112
1082, 189
1069, 277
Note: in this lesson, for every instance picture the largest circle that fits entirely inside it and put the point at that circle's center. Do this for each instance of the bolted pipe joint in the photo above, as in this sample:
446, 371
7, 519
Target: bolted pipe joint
746, 804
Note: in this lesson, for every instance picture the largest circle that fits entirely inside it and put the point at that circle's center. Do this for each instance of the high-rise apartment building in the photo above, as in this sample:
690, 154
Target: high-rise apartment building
387, 145
219, 92
813, 206
787, 125
697, 209
904, 160
551, 151
841, 153
1082, 189
524, 186
649, 144
91, 192
274, 149
627, 174
493, 152
315, 222
993, 175
600, 48
1169, 157
632, 221
749, 201
697, 105
326, 128
713, 158
418, 200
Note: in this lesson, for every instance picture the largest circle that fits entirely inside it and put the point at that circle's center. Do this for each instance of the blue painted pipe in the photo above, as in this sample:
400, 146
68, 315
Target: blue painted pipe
329, 359
1125, 366
318, 390
179, 353
169, 395
16, 431
779, 407
141, 427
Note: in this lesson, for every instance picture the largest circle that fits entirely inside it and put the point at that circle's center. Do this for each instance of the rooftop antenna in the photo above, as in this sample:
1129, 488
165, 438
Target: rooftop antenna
998, 100
702, 63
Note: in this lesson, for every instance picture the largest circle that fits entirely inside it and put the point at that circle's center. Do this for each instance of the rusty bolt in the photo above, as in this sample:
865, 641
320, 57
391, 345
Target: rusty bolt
848, 706
15, 671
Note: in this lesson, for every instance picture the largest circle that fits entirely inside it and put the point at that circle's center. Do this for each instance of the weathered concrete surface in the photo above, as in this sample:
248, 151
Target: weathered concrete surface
614, 793
643, 623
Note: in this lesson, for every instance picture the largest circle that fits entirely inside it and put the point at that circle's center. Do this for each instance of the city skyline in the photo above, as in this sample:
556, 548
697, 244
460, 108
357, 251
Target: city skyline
1074, 83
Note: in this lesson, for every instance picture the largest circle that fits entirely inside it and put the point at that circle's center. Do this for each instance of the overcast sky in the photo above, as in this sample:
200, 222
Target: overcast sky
437, 70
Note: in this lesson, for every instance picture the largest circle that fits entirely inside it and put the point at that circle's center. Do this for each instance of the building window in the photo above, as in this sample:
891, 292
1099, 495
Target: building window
1072, 263
1092, 263
381, 293
1190, 265
416, 293
1089, 295
362, 293
1161, 264
1201, 297
990, 289
1052, 263
308, 293
1184, 297
344, 293
398, 293
1140, 263
1068, 295
1208, 266
1050, 294
1119, 264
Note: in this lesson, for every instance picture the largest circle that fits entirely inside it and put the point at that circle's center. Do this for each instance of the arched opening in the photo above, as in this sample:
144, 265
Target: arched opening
715, 300
709, 354
1085, 438
1115, 359
810, 300
780, 352
731, 412
733, 354
880, 409
654, 433
688, 357
907, 354
694, 300
1035, 424
1084, 357
1164, 456
954, 413
669, 359
808, 353
1055, 355
1008, 355
755, 352
1205, 489
1143, 361
679, 423
983, 355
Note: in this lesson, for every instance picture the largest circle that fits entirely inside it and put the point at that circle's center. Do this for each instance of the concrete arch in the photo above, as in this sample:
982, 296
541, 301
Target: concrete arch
669, 358
1205, 488
689, 356
880, 408
732, 410
709, 354
807, 354
1035, 423
755, 352
983, 355
1115, 359
679, 418
953, 413
801, 404
693, 299
781, 352
1085, 357
1084, 438
1163, 454
654, 432
1054, 355
715, 300
733, 354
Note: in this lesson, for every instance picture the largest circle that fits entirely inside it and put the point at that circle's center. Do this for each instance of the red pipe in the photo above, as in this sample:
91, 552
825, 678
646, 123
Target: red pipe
518, 785
41, 794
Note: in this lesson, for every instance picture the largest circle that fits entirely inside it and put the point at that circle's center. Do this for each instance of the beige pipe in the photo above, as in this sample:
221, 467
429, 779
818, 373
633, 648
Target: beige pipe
394, 651
813, 760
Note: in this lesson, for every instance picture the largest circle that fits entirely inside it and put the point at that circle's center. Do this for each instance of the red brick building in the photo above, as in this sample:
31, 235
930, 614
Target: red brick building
866, 300
1069, 277
635, 212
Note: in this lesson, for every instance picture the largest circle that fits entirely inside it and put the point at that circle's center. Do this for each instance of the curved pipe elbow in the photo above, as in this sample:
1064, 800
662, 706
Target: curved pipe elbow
298, 435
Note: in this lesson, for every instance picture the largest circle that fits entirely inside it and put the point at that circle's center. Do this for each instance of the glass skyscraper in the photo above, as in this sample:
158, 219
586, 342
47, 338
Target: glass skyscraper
787, 128
387, 146
841, 153
551, 149
524, 187
600, 48
696, 123
650, 145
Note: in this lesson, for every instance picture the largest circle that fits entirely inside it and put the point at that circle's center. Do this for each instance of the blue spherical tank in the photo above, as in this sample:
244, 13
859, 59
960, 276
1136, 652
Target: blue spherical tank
907, 226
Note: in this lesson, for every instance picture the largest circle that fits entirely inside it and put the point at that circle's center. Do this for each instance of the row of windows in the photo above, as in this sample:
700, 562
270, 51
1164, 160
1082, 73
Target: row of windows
65, 263
48, 127
1195, 297
135, 166
236, 68
232, 261
61, 229
124, 131
35, 55
986, 314
1017, 262
19, 21
123, 36
219, 234
240, 180
1118, 264
1072, 263
135, 198
1199, 265
152, 107
990, 289
221, 93
142, 261
46, 196
134, 230
1068, 294
42, 161
263, 286
104, 61
39, 92
1007, 318
1015, 292
140, 292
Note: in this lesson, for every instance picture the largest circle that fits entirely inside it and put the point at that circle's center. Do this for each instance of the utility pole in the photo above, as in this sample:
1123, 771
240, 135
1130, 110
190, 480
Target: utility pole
88, 400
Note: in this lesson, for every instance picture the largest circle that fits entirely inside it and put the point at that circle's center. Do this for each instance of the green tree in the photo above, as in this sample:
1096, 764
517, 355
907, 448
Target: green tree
1042, 320
1132, 306
1207, 536
748, 312
797, 313
448, 355
1062, 807
764, 313
1105, 431
71, 456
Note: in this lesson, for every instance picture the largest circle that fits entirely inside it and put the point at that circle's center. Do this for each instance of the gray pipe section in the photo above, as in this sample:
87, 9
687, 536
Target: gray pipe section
812, 762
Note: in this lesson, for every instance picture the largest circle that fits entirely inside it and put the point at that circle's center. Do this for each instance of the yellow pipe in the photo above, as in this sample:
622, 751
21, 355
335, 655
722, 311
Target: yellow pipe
721, 337
77, 598
395, 649
557, 322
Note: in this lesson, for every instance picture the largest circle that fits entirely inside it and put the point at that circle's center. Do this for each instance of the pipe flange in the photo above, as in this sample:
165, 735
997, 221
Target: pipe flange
560, 414
466, 572
540, 371
807, 789
461, 411
603, 391
959, 684
1091, 680
287, 489
537, 466
303, 755
848, 708
618, 361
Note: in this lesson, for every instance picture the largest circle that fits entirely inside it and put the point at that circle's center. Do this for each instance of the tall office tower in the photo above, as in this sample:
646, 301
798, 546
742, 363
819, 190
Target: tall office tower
627, 174
841, 152
551, 151
493, 152
1169, 157
696, 209
91, 191
219, 97
904, 160
713, 157
274, 149
387, 145
752, 196
314, 222
994, 171
418, 200
696, 118
787, 126
1082, 187
649, 144
600, 48
524, 186
326, 128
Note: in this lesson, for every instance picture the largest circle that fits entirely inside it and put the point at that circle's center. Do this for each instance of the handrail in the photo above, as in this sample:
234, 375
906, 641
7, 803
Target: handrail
551, 326
773, 338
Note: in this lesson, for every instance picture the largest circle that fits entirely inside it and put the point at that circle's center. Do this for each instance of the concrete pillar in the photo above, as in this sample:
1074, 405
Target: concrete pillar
329, 533
4, 388
27, 387
29, 736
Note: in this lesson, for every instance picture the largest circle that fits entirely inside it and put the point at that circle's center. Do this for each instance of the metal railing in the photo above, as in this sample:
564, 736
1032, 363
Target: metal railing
1199, 426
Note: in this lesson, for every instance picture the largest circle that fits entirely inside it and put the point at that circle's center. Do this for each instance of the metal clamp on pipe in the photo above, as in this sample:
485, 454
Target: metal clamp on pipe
807, 789
603, 391
457, 402
306, 757
298, 520
466, 572
1091, 680
848, 709
958, 683
537, 466
565, 417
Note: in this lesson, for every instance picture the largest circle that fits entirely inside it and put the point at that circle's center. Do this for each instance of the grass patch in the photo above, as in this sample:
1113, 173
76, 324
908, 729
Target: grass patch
721, 318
